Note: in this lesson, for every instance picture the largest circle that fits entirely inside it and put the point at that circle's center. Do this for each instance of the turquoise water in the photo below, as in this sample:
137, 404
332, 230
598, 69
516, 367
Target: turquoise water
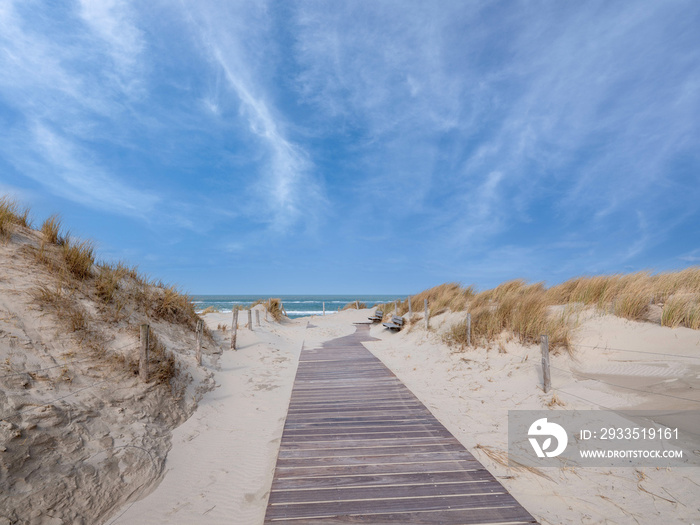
295, 305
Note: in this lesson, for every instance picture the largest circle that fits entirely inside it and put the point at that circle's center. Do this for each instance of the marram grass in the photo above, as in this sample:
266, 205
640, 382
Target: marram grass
525, 311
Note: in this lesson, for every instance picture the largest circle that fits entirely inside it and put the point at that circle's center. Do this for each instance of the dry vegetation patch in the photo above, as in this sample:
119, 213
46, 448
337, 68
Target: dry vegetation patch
355, 305
11, 214
526, 311
273, 306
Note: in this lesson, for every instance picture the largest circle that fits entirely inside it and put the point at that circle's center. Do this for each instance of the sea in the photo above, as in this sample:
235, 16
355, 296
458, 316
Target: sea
295, 305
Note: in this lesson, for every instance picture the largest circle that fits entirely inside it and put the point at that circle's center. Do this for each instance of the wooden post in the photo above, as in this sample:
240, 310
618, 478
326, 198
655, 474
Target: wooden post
427, 318
257, 317
545, 364
357, 305
469, 329
396, 308
410, 310
234, 328
324, 308
199, 341
250, 319
143, 361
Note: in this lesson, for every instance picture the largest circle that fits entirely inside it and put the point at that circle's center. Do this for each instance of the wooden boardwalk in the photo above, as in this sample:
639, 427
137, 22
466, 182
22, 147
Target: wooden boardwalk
359, 447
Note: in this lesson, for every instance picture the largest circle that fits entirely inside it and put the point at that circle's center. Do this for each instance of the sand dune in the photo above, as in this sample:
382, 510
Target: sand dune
82, 440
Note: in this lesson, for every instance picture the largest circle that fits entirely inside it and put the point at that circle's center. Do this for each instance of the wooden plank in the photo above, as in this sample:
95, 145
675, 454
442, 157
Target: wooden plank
374, 450
355, 441
375, 438
380, 480
513, 515
372, 459
359, 428
385, 492
424, 467
385, 506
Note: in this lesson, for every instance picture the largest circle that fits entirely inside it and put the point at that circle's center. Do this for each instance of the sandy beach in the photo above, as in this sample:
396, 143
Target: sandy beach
222, 459
83, 439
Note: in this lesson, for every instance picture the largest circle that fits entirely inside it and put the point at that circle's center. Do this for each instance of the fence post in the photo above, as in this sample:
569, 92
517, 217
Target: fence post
250, 319
469, 329
427, 318
143, 361
234, 328
199, 341
324, 308
545, 364
410, 310
396, 307
357, 305
257, 317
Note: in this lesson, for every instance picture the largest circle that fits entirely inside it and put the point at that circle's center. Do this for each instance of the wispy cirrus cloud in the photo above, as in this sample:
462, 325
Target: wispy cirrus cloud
112, 21
234, 39
61, 100
74, 177
583, 112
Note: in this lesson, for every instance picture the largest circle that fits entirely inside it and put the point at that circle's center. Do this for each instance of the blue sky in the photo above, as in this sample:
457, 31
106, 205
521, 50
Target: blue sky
286, 147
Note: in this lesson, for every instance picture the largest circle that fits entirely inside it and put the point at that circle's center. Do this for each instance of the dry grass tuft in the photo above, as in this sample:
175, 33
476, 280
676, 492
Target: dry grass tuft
273, 306
514, 308
107, 282
11, 214
79, 257
555, 401
448, 296
162, 365
210, 310
51, 228
168, 304
682, 309
355, 305
501, 458
629, 296
527, 311
66, 308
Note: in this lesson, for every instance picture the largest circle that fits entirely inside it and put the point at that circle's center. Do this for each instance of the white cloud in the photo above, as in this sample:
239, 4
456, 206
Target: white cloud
50, 80
112, 21
74, 177
234, 40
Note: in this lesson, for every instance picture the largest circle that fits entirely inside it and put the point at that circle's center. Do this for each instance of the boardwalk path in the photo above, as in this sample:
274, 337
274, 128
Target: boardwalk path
359, 447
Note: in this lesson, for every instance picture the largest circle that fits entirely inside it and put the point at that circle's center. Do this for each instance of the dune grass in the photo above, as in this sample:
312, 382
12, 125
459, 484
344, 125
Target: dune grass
448, 296
518, 309
51, 228
273, 306
682, 309
79, 257
72, 314
210, 310
355, 305
11, 213
525, 311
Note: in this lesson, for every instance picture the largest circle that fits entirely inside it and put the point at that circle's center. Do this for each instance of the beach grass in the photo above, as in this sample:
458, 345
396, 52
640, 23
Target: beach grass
354, 305
51, 228
121, 295
11, 213
274, 307
524, 311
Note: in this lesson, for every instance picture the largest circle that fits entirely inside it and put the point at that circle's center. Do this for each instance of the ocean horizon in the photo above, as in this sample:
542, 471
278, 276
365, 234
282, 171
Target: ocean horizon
295, 305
